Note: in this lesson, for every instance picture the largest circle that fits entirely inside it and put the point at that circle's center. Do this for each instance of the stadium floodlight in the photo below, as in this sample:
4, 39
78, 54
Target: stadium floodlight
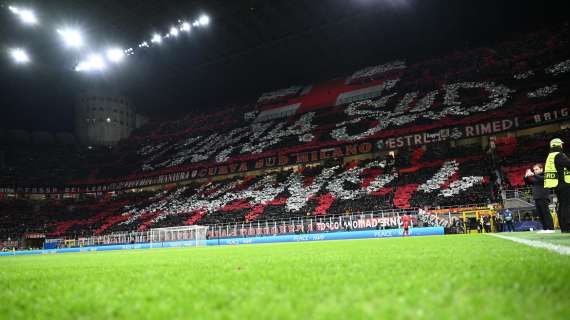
143, 44
20, 56
82, 66
156, 38
186, 27
27, 16
196, 23
94, 62
174, 32
115, 55
72, 38
204, 20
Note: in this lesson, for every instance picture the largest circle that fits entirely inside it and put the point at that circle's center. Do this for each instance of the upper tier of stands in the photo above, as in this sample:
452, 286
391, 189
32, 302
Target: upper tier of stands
518, 78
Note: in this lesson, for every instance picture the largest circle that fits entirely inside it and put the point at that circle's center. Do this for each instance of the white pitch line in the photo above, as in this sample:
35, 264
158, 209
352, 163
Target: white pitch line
563, 250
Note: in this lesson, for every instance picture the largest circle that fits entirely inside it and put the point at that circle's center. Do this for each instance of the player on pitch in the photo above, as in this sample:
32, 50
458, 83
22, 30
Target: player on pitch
406, 224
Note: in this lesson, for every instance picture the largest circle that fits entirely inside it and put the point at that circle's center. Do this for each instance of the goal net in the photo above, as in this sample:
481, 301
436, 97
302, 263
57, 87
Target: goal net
195, 234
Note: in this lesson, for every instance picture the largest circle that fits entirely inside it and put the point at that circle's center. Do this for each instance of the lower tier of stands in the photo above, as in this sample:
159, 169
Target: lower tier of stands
354, 187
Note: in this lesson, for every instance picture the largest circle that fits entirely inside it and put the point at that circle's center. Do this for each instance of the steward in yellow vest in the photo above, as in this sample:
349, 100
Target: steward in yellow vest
557, 177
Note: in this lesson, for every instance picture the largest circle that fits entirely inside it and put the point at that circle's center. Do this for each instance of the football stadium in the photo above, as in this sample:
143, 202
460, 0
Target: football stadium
284, 159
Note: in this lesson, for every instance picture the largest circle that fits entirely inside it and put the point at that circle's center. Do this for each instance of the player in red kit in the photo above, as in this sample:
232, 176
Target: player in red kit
406, 224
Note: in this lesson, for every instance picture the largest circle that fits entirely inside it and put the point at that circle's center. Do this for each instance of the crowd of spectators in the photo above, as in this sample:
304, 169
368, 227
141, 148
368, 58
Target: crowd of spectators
358, 186
527, 76
522, 76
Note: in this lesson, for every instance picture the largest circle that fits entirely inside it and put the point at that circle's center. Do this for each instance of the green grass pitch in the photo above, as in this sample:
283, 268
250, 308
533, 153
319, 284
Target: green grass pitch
441, 277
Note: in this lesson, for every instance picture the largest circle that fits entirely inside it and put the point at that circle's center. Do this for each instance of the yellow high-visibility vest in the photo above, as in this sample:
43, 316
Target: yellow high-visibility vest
550, 173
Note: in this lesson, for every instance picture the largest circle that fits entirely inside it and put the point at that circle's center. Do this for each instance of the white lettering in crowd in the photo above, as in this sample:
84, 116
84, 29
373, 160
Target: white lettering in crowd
551, 116
212, 197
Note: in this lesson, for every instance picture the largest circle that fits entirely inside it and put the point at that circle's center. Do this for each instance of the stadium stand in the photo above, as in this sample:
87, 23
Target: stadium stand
457, 126
355, 187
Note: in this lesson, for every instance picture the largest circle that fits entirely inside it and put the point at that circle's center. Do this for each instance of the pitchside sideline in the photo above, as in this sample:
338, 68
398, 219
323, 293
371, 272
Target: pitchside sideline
158, 240
460, 276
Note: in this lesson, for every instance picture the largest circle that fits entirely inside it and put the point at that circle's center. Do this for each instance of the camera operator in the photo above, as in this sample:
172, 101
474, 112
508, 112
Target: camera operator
541, 196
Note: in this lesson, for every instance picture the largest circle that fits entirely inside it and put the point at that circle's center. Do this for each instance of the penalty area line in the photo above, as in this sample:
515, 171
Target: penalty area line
563, 250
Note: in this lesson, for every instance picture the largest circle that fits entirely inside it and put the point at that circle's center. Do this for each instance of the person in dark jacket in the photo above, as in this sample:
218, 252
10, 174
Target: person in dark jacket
508, 218
541, 196
557, 177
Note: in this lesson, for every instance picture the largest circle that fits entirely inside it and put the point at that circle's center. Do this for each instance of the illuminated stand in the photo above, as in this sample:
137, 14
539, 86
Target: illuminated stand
195, 234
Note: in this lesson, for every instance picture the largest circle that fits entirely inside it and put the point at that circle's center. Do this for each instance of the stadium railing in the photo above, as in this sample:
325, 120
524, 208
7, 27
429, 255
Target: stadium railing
519, 193
380, 219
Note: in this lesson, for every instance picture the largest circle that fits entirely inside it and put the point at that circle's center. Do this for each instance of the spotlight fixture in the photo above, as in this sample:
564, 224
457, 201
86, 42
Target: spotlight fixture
20, 56
72, 38
186, 27
204, 20
27, 16
115, 55
156, 38
94, 62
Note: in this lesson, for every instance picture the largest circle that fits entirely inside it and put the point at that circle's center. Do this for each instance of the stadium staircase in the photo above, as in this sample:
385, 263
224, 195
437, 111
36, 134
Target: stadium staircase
518, 198
403, 195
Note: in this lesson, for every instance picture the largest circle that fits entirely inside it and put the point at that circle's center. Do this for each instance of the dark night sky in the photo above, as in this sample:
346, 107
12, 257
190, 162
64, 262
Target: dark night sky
251, 47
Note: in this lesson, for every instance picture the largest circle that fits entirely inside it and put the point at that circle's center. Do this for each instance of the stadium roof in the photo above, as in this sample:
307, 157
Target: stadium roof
251, 47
